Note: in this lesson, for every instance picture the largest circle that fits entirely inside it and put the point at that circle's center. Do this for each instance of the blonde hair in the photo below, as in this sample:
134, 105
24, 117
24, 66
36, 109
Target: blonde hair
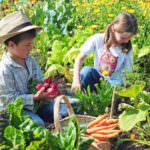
126, 23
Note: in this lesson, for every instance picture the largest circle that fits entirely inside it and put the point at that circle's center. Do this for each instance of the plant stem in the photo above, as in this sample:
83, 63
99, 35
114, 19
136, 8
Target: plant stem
113, 103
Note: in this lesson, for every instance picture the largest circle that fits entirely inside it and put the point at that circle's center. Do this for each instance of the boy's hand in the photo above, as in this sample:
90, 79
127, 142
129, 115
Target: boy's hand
41, 95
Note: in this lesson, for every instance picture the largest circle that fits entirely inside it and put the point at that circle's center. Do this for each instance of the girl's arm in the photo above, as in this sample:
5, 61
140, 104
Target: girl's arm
89, 46
76, 85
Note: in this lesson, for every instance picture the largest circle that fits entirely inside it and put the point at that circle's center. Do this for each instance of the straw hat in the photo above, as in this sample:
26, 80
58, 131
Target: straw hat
14, 24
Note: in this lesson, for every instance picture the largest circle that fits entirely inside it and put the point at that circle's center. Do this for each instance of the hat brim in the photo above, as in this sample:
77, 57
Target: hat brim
3, 38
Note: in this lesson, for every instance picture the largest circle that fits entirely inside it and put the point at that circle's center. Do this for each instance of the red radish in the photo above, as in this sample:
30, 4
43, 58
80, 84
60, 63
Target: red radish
53, 92
54, 84
45, 93
39, 86
48, 80
46, 85
57, 91
49, 90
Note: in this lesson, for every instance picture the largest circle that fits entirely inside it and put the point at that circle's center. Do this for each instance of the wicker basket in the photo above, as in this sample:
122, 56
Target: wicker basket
59, 123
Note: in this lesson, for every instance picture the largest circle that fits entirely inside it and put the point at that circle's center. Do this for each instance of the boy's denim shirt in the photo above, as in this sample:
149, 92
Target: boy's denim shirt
14, 80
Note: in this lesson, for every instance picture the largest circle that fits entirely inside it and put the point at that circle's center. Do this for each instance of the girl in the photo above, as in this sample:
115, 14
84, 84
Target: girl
113, 54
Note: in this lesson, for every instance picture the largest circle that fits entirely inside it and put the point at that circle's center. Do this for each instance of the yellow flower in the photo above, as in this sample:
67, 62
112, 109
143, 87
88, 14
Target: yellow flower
101, 30
105, 73
79, 27
93, 26
77, 9
123, 8
96, 10
85, 4
131, 11
33, 1
142, 4
102, 2
111, 15
76, 3
89, 30
96, 4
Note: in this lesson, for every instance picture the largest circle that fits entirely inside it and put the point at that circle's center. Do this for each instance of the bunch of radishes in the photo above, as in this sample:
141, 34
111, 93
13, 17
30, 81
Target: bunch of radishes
50, 87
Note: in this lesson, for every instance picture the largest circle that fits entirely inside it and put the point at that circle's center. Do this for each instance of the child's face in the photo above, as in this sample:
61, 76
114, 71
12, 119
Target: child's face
22, 49
122, 37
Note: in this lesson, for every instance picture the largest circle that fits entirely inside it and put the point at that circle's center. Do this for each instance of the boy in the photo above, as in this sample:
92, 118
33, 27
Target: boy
17, 67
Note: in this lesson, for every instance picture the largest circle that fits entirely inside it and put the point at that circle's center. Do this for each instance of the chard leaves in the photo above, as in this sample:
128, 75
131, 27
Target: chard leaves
14, 137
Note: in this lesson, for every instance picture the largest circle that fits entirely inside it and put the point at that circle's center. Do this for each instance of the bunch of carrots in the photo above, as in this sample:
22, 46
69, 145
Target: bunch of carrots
102, 128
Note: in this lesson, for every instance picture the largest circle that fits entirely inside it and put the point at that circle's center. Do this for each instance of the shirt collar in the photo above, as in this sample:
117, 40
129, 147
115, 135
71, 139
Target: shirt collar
9, 61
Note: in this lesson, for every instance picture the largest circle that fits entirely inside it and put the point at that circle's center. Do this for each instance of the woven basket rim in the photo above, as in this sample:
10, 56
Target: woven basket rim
78, 116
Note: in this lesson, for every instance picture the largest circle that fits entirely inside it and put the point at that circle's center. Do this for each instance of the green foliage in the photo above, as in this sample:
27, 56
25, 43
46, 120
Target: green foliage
129, 118
31, 86
14, 137
140, 109
94, 103
41, 48
137, 118
22, 131
63, 54
132, 91
28, 135
15, 112
145, 96
70, 56
3, 122
144, 51
56, 16
59, 49
35, 145
69, 140
54, 69
85, 144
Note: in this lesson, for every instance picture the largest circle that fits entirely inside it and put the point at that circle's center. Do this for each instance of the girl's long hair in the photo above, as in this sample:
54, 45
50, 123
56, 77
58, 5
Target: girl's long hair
126, 23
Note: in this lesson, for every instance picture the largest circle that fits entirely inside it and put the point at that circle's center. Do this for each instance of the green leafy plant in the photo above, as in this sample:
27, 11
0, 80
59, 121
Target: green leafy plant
71, 138
23, 133
94, 103
137, 115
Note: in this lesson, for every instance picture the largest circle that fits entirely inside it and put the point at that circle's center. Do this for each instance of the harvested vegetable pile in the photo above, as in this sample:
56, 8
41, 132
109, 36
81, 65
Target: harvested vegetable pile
103, 128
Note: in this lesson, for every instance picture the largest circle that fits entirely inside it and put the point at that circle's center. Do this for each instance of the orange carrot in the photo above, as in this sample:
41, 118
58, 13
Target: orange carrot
99, 137
91, 130
95, 139
102, 136
108, 131
133, 136
110, 121
97, 120
102, 122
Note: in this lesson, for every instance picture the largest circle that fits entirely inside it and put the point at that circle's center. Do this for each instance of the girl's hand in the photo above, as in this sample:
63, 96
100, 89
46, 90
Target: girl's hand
76, 85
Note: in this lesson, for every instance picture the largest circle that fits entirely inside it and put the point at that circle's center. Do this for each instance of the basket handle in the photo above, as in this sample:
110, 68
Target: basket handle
56, 110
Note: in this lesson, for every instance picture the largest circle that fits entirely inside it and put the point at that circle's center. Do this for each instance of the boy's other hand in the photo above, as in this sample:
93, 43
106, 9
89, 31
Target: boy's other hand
41, 95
